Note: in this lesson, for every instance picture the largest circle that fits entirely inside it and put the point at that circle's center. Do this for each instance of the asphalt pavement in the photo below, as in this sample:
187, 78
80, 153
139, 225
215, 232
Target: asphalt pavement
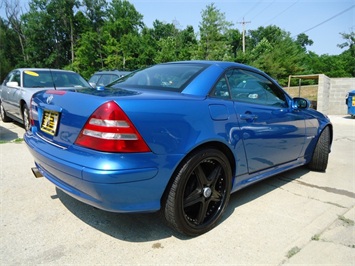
296, 218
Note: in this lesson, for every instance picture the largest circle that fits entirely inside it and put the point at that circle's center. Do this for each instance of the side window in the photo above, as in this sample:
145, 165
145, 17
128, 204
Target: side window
221, 89
14, 76
94, 79
106, 79
250, 87
8, 78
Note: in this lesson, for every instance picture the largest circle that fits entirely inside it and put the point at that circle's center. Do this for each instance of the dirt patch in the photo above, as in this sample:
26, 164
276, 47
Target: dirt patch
310, 92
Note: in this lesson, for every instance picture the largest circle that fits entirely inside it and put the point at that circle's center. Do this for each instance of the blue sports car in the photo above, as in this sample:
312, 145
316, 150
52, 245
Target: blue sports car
178, 137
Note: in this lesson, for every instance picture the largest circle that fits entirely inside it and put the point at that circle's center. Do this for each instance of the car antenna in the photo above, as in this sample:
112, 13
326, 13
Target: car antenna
50, 71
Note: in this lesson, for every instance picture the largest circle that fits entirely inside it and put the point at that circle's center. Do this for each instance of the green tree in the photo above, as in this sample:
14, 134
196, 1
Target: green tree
9, 47
146, 49
331, 65
96, 12
123, 19
272, 34
275, 52
348, 56
63, 15
88, 52
89, 55
49, 29
186, 43
234, 38
213, 27
171, 43
13, 10
303, 40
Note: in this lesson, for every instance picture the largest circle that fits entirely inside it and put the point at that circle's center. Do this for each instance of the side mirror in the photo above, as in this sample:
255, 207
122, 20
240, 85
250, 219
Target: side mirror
300, 103
12, 84
100, 88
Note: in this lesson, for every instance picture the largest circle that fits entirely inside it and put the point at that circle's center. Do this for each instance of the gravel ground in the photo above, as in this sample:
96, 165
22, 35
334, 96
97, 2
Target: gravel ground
298, 217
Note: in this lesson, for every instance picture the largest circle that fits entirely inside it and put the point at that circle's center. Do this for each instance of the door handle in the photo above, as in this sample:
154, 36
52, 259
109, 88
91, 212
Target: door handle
248, 117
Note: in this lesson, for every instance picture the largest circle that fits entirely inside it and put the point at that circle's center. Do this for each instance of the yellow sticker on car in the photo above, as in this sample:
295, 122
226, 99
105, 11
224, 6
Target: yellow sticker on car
31, 73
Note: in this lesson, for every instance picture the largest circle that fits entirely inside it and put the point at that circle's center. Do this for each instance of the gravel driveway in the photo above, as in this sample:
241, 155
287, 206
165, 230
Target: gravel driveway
298, 217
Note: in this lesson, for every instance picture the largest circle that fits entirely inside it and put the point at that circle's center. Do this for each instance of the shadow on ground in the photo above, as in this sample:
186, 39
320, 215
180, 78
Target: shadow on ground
150, 226
7, 135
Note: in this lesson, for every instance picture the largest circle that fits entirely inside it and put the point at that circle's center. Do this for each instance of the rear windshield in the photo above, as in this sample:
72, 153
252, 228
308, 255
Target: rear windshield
51, 78
168, 77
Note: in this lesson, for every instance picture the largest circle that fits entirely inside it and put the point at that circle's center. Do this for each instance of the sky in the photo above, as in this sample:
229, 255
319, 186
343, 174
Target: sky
321, 20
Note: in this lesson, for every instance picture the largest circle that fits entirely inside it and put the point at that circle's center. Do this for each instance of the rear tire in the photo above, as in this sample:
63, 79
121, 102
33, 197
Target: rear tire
199, 193
26, 117
319, 161
3, 114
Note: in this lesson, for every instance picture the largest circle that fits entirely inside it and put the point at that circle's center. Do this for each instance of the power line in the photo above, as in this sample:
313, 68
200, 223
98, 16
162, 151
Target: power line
325, 21
283, 11
251, 9
264, 9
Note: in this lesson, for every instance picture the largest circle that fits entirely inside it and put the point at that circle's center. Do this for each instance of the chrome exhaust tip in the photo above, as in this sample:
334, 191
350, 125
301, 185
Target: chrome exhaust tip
36, 172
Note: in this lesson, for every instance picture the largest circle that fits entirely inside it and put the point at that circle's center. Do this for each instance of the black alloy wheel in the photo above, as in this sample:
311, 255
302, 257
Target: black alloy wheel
199, 193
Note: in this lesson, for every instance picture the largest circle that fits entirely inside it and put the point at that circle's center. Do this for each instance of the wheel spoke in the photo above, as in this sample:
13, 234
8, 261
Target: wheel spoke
193, 198
203, 211
214, 176
216, 196
201, 176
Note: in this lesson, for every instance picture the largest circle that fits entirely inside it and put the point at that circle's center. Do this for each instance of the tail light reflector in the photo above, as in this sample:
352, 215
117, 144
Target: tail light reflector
109, 129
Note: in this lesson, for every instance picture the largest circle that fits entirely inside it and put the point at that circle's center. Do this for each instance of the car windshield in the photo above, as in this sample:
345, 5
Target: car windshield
51, 78
169, 77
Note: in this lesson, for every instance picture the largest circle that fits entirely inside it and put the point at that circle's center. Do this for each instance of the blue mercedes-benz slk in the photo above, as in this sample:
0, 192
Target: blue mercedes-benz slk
178, 137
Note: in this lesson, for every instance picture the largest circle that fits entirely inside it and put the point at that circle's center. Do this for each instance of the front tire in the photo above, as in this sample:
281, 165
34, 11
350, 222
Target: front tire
319, 161
199, 193
3, 114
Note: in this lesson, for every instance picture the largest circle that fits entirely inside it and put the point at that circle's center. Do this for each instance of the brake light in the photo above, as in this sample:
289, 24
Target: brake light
56, 92
109, 129
32, 122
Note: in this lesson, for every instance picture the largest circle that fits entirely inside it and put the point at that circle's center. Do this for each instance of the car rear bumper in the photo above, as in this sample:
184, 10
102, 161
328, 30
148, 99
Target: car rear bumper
133, 185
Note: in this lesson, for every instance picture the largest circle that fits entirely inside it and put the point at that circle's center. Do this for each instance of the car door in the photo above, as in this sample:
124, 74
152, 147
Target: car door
272, 132
11, 93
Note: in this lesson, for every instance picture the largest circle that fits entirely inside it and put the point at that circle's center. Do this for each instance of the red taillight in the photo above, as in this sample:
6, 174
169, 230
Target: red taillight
109, 129
32, 122
56, 92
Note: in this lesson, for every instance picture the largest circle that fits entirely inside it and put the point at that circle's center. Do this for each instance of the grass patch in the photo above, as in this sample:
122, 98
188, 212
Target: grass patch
18, 140
346, 221
316, 237
293, 251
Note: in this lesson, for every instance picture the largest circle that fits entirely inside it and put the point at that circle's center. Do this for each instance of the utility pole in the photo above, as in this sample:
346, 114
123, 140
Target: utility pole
243, 23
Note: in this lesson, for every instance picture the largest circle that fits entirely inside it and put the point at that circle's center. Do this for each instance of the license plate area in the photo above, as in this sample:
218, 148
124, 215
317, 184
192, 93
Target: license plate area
50, 122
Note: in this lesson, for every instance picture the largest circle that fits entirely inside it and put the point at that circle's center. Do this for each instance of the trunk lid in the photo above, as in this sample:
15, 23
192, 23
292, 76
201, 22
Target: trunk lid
58, 116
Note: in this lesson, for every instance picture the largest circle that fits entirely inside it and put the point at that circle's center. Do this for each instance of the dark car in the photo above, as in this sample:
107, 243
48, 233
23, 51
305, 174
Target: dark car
177, 137
102, 78
20, 84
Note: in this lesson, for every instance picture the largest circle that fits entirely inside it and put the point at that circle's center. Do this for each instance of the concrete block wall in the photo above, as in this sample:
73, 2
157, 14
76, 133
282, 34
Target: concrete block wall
324, 88
339, 87
331, 94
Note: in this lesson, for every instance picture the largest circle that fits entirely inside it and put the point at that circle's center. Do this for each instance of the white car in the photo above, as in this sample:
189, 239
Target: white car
20, 84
